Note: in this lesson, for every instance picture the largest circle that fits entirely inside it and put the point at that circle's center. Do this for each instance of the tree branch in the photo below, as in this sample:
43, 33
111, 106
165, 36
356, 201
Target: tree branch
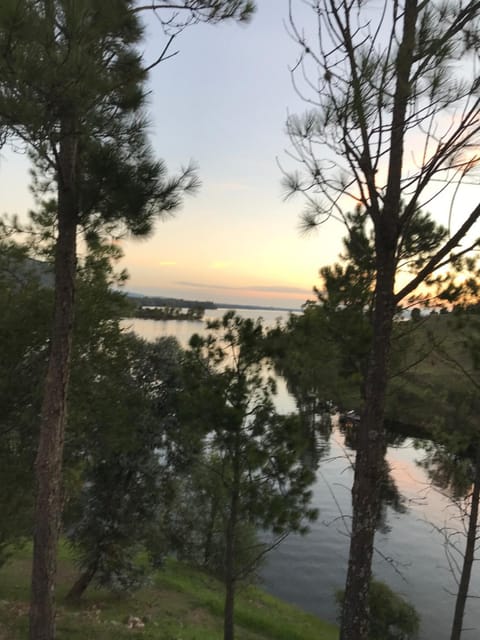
434, 262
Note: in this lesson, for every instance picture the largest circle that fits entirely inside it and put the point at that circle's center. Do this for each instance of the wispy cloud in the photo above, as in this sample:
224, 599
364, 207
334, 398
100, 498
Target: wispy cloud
280, 289
262, 289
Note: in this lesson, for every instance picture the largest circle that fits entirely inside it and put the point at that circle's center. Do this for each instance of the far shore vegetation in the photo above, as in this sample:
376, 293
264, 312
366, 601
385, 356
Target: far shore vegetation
193, 314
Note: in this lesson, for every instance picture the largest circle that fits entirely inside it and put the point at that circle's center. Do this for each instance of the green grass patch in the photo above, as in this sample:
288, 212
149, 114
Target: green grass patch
182, 603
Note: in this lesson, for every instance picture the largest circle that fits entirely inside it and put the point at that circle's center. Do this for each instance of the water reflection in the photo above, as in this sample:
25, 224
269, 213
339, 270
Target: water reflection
410, 556
390, 495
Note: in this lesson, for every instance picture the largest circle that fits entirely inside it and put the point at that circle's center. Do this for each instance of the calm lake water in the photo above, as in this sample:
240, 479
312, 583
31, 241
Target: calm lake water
410, 556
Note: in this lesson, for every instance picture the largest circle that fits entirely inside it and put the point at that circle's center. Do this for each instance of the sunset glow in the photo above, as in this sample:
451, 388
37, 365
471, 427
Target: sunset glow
223, 101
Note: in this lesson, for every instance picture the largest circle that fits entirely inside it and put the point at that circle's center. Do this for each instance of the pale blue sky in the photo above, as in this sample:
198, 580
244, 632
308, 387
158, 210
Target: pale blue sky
222, 102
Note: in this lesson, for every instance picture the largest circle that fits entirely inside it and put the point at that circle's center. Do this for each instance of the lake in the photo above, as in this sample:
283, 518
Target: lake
410, 556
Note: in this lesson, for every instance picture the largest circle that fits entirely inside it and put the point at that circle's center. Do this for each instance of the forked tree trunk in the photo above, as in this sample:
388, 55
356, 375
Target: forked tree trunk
48, 465
469, 556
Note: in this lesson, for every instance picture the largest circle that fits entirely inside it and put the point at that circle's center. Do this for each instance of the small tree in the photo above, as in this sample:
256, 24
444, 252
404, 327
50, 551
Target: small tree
120, 425
258, 453
391, 617
26, 307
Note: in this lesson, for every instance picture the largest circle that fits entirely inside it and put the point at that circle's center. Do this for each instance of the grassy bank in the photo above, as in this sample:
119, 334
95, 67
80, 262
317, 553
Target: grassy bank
430, 370
181, 604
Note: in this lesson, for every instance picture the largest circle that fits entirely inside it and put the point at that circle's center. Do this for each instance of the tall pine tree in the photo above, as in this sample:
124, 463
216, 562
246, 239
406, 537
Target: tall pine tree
72, 89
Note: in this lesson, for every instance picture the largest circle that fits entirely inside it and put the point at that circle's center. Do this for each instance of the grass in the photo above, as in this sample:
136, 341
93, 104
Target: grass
433, 361
181, 604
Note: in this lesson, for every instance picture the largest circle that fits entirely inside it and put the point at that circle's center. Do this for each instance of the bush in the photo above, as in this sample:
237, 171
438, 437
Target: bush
391, 617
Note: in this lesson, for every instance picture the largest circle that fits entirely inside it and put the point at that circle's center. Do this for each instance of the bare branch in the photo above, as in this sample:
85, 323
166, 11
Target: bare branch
436, 260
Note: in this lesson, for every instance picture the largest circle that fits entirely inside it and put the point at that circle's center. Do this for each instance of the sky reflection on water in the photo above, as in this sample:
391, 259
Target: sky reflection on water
410, 557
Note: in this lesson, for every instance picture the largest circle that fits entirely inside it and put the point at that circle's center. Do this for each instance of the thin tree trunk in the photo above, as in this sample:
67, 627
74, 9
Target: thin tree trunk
48, 465
229, 609
82, 583
207, 555
369, 464
230, 577
469, 556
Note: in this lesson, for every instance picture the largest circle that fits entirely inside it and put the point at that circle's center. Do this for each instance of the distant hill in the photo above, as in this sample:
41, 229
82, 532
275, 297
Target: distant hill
44, 272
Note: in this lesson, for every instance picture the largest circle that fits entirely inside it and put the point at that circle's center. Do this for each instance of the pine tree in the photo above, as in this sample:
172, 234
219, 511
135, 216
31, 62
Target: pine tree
380, 85
72, 89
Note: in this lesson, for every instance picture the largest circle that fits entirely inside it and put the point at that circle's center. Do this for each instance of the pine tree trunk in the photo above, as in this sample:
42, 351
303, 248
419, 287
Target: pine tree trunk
469, 556
230, 577
82, 583
369, 463
229, 610
48, 465
207, 555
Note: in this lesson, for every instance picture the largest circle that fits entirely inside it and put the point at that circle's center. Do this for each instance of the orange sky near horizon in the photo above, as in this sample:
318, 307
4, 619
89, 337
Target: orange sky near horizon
223, 101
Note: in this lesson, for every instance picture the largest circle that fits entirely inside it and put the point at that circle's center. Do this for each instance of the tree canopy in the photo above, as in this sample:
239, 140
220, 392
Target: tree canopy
392, 123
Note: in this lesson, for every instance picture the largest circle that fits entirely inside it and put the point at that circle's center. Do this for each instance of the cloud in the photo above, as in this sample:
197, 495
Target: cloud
262, 289
166, 263
280, 289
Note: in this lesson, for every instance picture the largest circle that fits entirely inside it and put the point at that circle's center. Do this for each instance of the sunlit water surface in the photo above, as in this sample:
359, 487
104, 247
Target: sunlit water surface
410, 557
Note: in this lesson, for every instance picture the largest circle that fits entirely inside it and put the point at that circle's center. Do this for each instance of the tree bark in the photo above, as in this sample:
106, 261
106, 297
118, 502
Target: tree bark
469, 556
229, 609
230, 577
82, 583
48, 465
369, 462
207, 554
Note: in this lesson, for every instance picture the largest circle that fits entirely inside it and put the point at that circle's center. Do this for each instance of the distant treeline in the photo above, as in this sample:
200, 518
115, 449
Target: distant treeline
158, 301
169, 313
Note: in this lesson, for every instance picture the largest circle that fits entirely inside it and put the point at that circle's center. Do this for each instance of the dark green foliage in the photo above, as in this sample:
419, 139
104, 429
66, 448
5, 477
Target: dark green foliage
253, 454
24, 324
230, 396
373, 82
193, 522
324, 353
175, 16
391, 617
307, 357
86, 64
125, 417
133, 190
164, 312
121, 407
26, 308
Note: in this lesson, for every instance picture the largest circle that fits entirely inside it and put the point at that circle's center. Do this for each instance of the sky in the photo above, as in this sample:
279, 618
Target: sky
222, 102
